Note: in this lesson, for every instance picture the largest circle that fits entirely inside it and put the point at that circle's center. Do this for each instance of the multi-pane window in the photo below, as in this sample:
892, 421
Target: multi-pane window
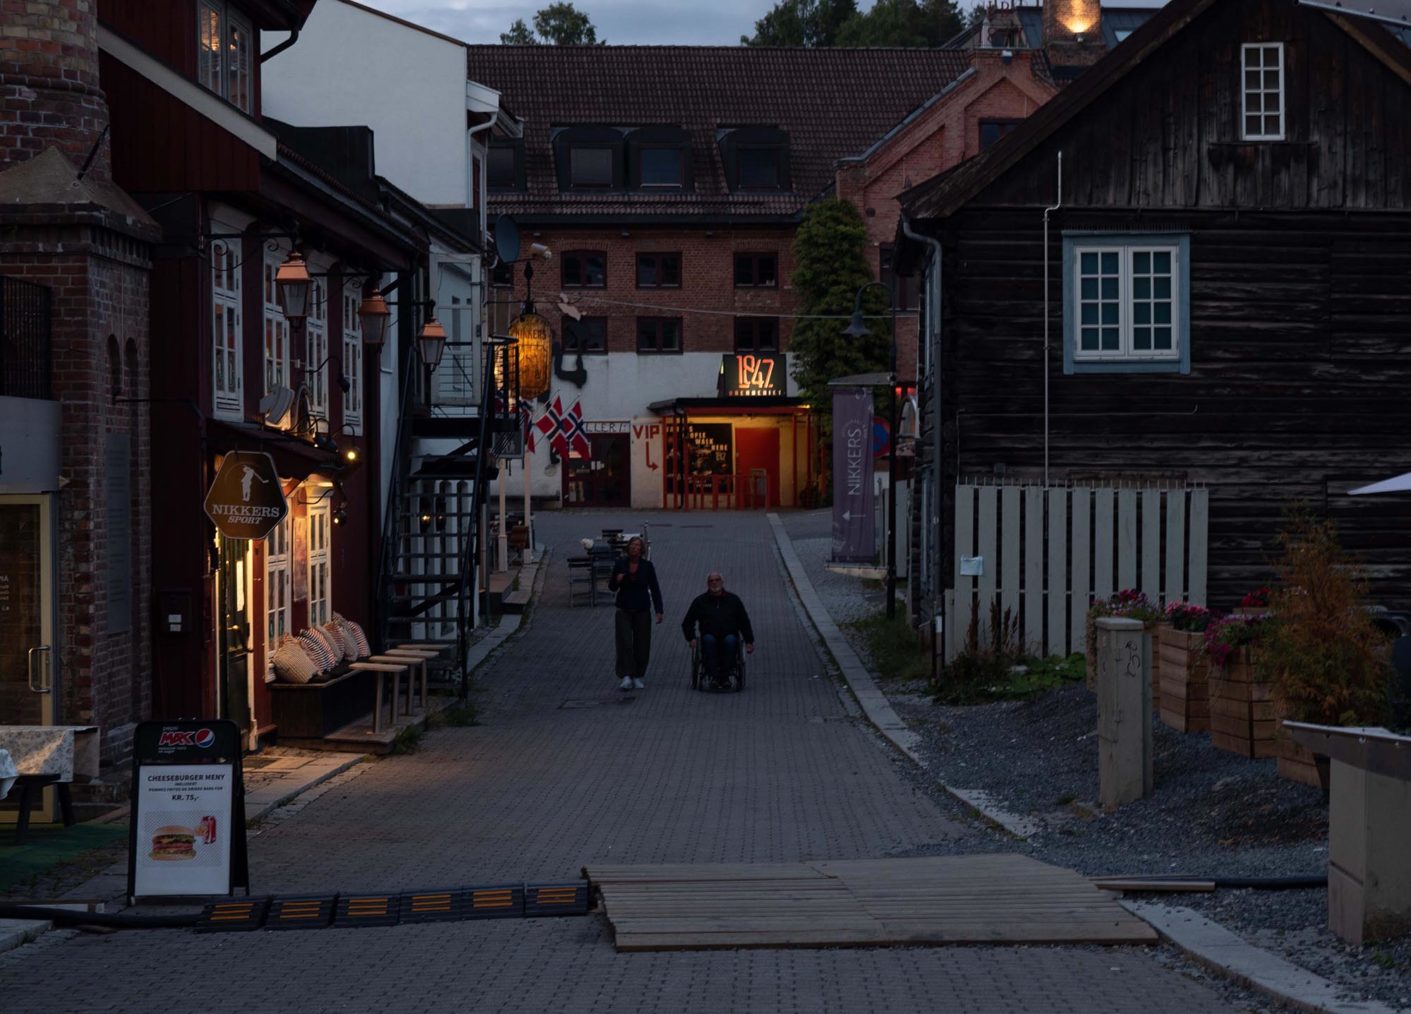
992, 130
278, 605
1262, 91
589, 335
316, 348
590, 167
658, 334
658, 270
660, 166
756, 334
502, 167
1128, 301
352, 360
320, 598
759, 167
227, 346
756, 271
224, 41
276, 327
584, 269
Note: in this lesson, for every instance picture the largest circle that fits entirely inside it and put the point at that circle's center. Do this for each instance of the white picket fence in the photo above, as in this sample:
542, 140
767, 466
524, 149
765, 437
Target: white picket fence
1045, 554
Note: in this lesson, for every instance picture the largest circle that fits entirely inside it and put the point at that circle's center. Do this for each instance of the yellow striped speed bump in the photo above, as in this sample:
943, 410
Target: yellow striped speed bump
245, 914
494, 902
301, 913
368, 910
556, 899
431, 906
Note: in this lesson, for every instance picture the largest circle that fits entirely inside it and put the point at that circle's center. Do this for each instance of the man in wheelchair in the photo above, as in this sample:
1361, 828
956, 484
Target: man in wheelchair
723, 622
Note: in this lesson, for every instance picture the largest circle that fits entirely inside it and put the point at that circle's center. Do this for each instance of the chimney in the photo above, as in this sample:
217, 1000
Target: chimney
1073, 33
49, 83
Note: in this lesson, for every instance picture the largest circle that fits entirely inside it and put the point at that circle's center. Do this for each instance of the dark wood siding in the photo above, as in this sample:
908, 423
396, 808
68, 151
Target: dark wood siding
1168, 134
164, 28
1300, 364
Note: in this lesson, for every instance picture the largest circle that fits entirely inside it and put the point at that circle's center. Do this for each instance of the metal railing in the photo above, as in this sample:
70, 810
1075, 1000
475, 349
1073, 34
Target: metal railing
26, 347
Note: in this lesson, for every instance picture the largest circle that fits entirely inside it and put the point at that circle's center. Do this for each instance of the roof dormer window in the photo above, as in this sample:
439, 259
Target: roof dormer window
589, 158
657, 159
755, 158
224, 42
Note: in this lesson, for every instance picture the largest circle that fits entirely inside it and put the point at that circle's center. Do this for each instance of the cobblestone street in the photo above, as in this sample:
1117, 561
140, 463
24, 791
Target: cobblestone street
566, 770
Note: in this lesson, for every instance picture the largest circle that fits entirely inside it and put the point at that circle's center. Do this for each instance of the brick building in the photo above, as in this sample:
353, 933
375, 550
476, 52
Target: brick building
75, 503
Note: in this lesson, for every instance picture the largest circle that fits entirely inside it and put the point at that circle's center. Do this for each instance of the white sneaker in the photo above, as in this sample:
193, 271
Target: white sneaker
638, 684
626, 683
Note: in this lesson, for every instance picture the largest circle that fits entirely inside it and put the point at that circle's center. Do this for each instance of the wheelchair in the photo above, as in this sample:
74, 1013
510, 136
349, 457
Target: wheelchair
734, 674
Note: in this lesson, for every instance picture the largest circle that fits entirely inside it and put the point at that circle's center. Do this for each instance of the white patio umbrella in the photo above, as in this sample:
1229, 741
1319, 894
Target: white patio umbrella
1396, 484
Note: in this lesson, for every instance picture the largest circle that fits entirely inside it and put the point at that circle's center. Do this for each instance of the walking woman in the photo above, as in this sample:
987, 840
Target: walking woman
635, 581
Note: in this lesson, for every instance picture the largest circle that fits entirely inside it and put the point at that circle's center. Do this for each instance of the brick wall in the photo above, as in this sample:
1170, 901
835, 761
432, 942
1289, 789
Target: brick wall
49, 82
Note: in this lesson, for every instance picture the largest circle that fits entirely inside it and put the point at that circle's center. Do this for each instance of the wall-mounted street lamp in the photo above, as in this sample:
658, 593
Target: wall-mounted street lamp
292, 282
373, 313
857, 328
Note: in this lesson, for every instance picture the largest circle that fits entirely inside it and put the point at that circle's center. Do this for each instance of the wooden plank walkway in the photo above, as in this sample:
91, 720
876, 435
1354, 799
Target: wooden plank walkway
863, 902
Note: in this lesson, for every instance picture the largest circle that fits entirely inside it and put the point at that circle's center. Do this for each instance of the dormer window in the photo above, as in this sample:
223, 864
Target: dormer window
224, 41
1262, 91
504, 166
657, 159
589, 158
755, 158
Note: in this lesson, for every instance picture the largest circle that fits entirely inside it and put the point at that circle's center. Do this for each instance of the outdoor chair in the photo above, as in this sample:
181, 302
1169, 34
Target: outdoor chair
582, 581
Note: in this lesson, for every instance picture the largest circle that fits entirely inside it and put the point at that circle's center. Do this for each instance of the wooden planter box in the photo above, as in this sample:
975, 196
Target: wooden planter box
1185, 679
1295, 763
1243, 716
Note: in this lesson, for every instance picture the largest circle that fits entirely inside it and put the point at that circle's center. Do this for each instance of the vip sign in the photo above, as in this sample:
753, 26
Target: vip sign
246, 501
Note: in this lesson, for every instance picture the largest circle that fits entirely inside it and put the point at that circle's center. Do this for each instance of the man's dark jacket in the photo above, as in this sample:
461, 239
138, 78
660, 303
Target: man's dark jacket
719, 616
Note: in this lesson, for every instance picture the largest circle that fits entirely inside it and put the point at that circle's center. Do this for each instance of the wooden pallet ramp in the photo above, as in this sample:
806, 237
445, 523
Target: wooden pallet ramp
863, 902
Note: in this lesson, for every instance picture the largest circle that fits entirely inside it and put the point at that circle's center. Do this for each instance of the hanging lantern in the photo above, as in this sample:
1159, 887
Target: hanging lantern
534, 341
373, 315
292, 282
432, 342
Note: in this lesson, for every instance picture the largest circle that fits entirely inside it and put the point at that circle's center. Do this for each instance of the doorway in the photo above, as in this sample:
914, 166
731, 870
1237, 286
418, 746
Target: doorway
603, 480
233, 629
756, 452
27, 649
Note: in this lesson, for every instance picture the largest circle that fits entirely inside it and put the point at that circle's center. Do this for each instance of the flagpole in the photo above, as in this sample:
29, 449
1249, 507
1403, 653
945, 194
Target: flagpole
528, 518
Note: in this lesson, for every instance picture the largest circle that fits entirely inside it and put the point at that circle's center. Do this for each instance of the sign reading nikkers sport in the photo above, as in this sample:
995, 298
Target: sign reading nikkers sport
246, 501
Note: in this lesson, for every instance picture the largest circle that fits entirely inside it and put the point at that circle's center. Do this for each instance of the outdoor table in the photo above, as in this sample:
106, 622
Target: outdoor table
49, 755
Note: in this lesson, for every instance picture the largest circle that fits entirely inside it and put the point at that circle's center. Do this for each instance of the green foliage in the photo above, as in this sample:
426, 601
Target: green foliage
823, 23
459, 716
1326, 658
559, 24
986, 663
407, 740
831, 265
897, 653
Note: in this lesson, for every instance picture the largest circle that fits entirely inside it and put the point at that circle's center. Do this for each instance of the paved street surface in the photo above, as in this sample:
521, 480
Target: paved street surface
567, 770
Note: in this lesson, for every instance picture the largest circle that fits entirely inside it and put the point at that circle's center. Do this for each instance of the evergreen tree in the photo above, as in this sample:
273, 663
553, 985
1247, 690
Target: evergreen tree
802, 23
830, 253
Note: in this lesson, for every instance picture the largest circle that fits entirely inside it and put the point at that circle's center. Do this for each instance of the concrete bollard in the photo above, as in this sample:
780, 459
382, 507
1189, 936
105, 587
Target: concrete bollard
1369, 874
1123, 711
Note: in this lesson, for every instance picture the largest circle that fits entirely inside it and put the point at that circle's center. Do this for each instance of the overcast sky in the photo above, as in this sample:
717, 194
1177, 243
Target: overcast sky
626, 22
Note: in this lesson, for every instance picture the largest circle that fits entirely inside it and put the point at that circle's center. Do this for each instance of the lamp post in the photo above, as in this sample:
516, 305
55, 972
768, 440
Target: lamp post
858, 329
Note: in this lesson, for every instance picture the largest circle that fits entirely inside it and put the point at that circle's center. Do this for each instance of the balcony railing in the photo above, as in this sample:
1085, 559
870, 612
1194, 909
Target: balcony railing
25, 344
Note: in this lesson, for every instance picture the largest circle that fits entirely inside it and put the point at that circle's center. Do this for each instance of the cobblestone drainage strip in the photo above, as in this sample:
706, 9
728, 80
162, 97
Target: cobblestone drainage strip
507, 901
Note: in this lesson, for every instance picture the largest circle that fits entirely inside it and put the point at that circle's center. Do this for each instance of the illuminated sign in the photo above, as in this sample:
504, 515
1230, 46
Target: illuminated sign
753, 376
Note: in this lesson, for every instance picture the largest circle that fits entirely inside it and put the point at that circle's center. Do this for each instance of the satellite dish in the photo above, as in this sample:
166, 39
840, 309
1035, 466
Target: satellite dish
506, 240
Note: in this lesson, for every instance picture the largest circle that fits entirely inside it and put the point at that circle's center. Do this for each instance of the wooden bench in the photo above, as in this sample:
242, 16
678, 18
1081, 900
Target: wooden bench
324, 705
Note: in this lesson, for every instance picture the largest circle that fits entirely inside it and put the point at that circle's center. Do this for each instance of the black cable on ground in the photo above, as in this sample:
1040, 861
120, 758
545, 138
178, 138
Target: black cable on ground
1289, 883
70, 917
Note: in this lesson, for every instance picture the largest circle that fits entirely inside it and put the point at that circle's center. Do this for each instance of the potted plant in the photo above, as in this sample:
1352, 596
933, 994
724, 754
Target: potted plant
1185, 667
1242, 718
1320, 650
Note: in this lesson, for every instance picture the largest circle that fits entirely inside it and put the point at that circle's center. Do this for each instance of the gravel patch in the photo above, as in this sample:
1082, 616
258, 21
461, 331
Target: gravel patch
1212, 814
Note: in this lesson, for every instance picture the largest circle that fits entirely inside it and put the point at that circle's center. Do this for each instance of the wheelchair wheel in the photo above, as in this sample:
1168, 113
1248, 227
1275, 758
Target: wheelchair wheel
739, 669
696, 668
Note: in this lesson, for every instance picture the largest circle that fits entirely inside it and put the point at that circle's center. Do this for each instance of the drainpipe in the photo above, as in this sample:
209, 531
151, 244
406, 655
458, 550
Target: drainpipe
293, 38
933, 320
1047, 211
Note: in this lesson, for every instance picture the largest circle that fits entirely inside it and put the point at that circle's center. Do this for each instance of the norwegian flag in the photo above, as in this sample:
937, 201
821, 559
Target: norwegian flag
571, 424
550, 424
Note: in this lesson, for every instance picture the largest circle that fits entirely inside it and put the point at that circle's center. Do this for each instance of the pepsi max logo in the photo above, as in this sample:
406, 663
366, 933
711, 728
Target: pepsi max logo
186, 737
204, 738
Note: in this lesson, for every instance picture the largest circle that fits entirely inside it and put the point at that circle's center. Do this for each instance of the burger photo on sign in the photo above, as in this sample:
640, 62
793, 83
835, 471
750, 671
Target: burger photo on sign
172, 842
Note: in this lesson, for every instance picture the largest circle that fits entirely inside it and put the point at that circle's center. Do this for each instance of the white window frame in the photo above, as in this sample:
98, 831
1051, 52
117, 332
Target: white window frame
274, 334
1261, 90
352, 361
316, 348
224, 53
1126, 249
279, 607
227, 330
320, 560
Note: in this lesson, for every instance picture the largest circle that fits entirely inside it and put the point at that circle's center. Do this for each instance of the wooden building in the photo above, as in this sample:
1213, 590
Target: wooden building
1190, 270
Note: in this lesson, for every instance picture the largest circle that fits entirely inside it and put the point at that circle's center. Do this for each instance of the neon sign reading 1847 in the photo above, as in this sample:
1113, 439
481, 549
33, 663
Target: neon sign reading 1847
752, 376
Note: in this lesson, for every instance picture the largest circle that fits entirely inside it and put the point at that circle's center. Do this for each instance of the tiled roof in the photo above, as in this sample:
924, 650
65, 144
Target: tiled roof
832, 102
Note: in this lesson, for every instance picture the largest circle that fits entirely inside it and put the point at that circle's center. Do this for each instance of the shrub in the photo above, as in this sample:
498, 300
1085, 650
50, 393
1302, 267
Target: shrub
985, 664
1320, 648
1226, 634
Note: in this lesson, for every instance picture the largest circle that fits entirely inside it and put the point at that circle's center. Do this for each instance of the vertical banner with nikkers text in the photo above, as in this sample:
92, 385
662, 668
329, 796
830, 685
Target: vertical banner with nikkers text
853, 539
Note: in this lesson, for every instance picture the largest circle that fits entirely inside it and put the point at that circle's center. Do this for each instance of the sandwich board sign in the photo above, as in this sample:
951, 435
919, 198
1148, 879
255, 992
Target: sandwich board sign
246, 500
187, 834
